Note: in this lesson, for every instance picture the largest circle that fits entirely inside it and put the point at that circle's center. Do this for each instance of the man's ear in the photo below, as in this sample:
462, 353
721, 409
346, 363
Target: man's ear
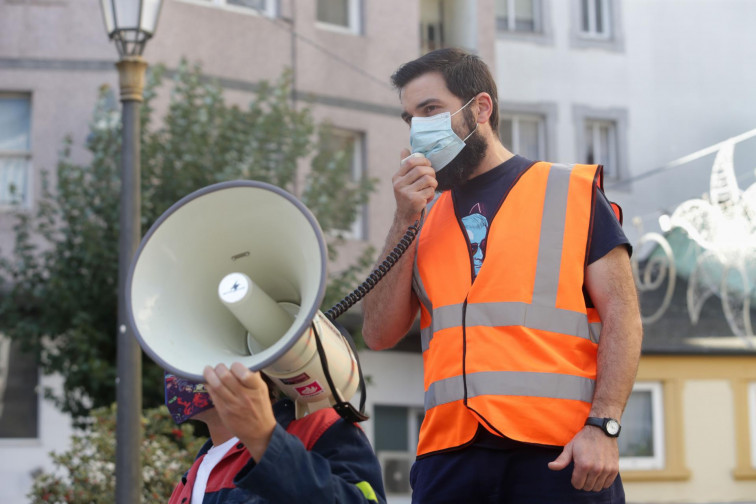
485, 107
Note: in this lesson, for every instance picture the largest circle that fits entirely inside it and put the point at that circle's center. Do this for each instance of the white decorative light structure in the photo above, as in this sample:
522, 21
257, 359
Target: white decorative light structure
130, 24
721, 231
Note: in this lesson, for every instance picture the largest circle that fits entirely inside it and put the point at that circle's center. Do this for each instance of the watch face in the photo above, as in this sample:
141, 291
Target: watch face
612, 427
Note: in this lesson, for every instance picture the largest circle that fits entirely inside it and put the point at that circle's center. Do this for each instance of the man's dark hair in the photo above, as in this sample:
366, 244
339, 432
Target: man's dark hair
465, 75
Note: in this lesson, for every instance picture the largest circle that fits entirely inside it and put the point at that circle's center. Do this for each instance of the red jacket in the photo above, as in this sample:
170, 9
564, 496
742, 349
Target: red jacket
320, 458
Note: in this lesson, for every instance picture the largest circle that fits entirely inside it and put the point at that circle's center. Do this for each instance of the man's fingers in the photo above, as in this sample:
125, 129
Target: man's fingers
562, 461
226, 377
609, 481
422, 183
585, 479
579, 477
410, 161
221, 383
250, 379
211, 378
598, 483
240, 371
417, 178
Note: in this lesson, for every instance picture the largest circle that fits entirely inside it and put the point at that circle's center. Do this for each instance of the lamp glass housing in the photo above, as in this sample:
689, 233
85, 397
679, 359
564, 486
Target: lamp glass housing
130, 23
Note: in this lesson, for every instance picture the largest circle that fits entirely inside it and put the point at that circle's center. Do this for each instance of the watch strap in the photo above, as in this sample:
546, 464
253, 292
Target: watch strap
602, 423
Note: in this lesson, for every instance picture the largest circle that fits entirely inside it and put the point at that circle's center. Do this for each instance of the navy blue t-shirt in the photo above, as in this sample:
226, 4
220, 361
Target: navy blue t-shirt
476, 203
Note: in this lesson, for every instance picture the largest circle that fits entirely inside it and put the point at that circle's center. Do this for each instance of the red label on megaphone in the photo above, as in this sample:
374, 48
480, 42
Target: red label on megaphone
311, 389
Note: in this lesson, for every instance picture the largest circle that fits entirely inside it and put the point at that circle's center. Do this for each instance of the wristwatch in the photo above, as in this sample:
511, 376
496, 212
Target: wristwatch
610, 426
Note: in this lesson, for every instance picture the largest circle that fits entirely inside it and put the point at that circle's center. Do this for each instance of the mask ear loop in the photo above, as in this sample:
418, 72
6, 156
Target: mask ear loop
465, 105
473, 131
476, 122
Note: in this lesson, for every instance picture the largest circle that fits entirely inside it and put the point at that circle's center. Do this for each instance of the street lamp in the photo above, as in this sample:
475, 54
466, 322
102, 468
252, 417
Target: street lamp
130, 23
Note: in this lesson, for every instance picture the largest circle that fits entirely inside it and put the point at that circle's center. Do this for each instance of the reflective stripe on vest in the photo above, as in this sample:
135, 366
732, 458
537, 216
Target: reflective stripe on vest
506, 314
514, 350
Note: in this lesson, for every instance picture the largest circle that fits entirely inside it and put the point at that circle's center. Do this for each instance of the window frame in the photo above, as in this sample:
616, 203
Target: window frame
358, 230
354, 16
547, 112
596, 125
744, 398
271, 8
606, 20
516, 119
26, 155
413, 412
543, 34
744, 393
611, 40
658, 459
512, 18
752, 421
619, 117
28, 441
425, 45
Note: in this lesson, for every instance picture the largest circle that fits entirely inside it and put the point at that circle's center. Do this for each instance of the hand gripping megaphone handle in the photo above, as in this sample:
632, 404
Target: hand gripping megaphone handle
342, 407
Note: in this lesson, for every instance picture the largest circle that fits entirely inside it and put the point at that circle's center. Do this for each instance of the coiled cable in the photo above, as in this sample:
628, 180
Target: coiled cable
379, 272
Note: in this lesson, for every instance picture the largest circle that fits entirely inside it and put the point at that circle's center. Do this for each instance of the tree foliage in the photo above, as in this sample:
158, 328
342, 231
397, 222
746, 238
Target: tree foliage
60, 293
86, 471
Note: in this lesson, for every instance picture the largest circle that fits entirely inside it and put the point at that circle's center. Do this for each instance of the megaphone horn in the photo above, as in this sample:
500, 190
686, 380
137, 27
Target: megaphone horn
236, 271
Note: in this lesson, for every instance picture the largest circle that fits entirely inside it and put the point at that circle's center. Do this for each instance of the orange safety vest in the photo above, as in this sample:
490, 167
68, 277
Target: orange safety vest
515, 350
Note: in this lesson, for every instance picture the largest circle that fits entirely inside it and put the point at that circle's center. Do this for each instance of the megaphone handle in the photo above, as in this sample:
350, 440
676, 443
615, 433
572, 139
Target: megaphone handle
342, 407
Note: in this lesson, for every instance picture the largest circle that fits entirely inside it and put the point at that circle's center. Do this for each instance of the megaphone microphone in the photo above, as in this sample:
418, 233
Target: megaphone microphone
236, 272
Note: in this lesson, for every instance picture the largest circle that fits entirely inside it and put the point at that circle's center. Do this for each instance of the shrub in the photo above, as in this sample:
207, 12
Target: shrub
86, 472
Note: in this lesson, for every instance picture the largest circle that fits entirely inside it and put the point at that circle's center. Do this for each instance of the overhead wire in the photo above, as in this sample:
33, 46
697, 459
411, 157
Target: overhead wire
289, 27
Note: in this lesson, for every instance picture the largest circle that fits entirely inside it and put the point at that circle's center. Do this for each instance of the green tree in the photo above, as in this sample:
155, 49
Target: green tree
60, 292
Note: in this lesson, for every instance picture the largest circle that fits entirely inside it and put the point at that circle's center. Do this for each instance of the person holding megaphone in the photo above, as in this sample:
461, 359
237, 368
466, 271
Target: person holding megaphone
259, 452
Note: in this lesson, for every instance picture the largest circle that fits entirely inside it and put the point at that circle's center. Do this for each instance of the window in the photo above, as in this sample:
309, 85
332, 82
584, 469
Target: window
601, 145
597, 24
595, 20
265, 7
341, 15
601, 138
351, 143
15, 148
448, 23
518, 15
431, 25
524, 134
641, 441
397, 429
18, 396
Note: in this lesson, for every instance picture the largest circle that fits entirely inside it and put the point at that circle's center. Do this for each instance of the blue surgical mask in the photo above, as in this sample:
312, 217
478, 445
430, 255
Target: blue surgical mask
434, 138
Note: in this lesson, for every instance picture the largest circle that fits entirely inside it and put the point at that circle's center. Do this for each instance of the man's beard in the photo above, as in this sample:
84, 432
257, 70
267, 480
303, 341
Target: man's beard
461, 167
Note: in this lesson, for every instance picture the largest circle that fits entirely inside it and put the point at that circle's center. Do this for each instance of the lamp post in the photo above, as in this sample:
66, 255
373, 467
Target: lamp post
129, 23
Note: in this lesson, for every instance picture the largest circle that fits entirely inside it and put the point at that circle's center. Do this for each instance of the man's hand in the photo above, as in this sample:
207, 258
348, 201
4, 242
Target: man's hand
414, 186
596, 458
243, 404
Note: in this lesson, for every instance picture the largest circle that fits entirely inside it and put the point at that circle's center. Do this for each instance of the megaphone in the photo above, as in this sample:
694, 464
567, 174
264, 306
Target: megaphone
236, 271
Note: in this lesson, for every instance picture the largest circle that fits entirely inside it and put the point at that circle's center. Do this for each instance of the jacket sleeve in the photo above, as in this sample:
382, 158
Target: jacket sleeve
340, 468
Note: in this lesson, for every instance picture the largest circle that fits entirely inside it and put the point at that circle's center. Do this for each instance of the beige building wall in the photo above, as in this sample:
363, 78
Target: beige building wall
707, 431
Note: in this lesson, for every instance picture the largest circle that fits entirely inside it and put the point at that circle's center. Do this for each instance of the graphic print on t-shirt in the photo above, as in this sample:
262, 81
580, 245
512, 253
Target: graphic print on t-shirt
476, 226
